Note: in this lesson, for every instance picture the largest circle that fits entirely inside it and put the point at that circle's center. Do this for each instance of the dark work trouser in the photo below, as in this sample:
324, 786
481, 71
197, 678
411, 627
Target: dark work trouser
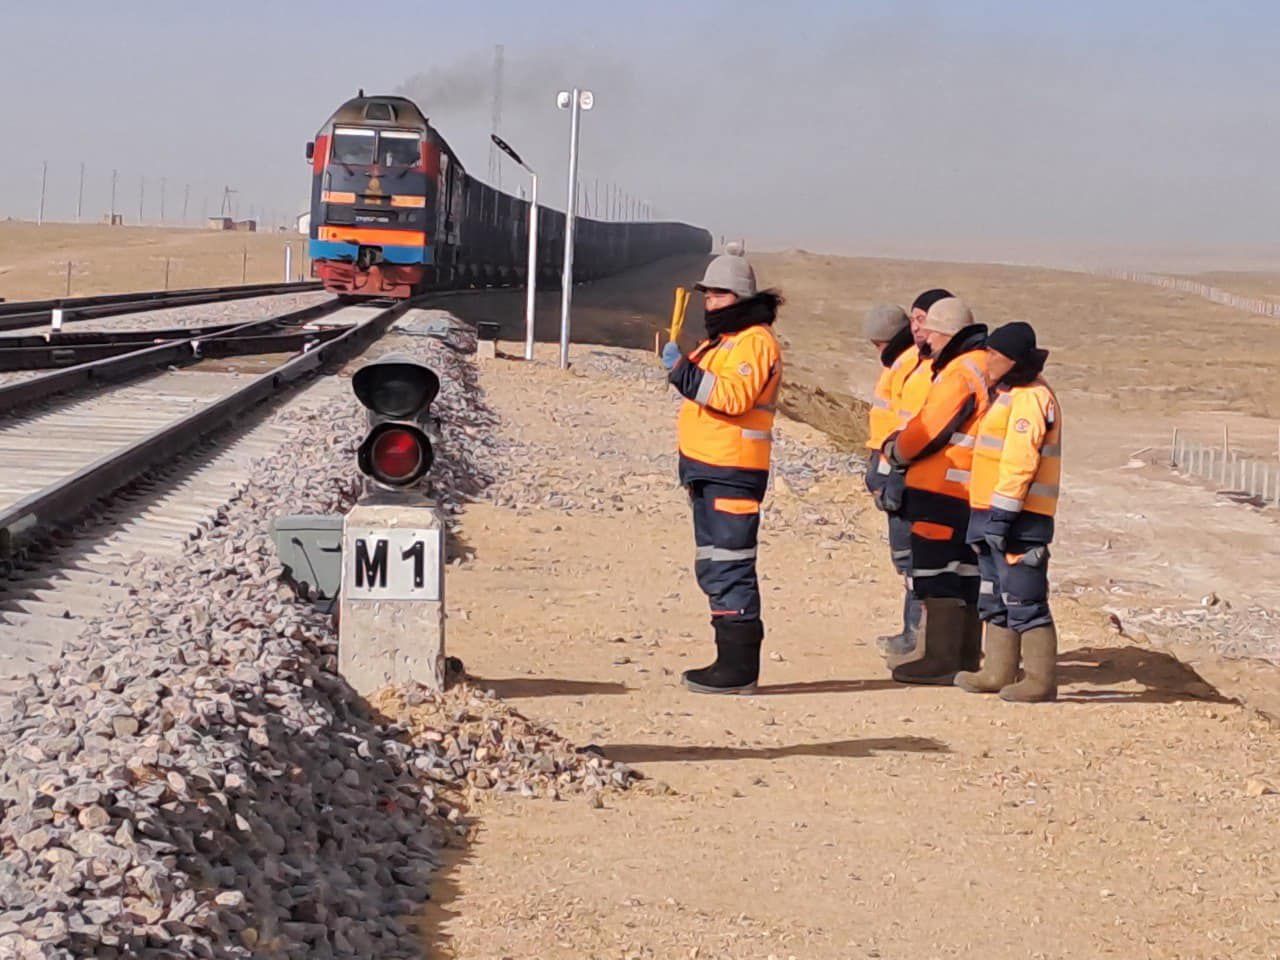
943, 564
1014, 593
726, 523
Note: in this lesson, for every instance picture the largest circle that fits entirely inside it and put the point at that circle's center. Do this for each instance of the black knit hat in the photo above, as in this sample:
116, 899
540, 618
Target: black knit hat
1016, 340
929, 298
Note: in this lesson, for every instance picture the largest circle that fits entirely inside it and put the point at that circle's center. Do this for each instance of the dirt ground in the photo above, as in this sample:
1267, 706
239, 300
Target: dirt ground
33, 259
835, 814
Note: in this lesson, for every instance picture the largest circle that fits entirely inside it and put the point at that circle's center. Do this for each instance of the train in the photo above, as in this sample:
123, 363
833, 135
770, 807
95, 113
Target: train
394, 213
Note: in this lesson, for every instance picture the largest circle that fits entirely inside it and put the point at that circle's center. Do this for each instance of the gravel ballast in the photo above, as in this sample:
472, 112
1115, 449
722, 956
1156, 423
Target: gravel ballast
193, 779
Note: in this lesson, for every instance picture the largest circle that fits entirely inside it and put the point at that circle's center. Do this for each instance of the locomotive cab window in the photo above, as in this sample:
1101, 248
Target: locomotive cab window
399, 148
353, 145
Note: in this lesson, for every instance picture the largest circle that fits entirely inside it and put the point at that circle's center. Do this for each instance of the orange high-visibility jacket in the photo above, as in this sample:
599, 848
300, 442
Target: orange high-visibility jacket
912, 378
937, 444
886, 415
728, 422
1017, 463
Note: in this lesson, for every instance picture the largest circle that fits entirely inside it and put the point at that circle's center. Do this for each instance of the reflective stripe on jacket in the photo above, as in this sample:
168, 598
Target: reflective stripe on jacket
883, 418
728, 420
937, 443
1017, 463
912, 378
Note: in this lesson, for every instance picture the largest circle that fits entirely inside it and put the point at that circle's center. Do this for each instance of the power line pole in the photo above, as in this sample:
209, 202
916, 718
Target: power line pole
186, 198
495, 164
80, 195
44, 176
164, 183
115, 175
142, 193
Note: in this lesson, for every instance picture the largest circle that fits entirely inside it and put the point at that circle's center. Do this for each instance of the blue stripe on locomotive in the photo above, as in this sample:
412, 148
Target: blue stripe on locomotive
339, 250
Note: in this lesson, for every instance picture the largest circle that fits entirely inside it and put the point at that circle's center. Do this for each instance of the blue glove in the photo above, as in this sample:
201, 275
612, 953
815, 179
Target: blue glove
670, 355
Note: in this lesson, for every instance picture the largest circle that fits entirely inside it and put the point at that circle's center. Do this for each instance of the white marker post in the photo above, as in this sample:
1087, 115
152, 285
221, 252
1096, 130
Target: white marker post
531, 279
575, 101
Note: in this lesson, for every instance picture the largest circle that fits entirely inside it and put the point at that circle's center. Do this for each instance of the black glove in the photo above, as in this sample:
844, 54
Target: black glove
890, 495
996, 533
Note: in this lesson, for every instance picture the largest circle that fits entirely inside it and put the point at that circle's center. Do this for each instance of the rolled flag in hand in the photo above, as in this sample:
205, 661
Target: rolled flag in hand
670, 355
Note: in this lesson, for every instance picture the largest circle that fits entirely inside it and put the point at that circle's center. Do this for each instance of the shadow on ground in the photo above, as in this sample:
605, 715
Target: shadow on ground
515, 687
828, 686
1162, 677
866, 747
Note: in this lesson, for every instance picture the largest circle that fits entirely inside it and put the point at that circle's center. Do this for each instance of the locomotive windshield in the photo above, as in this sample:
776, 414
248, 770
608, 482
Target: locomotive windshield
353, 145
399, 148
359, 146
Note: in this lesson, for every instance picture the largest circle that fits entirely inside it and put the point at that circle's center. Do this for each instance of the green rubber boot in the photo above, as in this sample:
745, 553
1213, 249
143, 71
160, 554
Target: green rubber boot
1004, 647
1039, 668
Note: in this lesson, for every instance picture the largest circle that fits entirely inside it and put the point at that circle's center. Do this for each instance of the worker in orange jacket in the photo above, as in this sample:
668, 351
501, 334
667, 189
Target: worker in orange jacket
935, 451
1013, 495
903, 388
730, 383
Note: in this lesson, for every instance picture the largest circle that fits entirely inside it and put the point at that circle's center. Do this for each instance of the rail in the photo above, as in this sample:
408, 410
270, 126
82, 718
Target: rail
148, 357
60, 502
18, 314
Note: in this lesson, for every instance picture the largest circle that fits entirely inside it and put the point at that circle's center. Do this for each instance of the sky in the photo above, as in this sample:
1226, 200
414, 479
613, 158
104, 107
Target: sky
900, 128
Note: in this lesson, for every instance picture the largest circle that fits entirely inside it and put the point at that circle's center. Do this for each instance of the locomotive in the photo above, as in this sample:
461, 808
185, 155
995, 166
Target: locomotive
394, 213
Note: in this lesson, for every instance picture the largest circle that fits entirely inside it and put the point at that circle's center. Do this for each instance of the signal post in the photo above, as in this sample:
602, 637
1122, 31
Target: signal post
391, 624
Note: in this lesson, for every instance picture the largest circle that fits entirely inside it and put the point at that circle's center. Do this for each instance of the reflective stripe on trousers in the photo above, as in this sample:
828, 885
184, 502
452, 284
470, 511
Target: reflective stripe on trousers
726, 546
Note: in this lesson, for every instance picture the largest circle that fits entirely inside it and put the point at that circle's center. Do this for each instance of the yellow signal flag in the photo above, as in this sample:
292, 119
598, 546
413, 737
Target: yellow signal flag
677, 314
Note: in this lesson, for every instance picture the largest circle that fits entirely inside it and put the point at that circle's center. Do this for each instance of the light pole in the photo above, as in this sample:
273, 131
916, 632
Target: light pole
531, 283
575, 102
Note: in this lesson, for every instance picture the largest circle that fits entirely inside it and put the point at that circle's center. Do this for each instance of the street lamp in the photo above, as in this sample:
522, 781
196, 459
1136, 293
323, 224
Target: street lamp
574, 101
532, 283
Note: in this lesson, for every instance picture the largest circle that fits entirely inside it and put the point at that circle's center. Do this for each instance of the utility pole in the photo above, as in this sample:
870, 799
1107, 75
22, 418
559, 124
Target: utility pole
164, 183
44, 176
114, 177
80, 195
186, 197
495, 165
142, 192
574, 101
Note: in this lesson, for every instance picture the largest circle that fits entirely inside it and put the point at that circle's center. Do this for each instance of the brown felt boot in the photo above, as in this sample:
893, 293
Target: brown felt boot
1000, 668
1039, 668
944, 620
971, 646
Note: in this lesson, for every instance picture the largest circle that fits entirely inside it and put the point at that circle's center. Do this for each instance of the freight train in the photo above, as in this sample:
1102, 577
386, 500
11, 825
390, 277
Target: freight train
393, 213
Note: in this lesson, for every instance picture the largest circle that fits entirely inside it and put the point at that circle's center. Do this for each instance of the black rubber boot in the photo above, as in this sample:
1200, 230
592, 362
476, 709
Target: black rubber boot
944, 626
737, 666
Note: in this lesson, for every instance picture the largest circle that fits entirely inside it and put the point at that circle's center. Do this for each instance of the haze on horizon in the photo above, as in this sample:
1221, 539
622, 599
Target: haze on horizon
902, 128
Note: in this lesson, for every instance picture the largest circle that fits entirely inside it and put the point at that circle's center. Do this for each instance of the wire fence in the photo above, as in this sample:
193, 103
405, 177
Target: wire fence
1257, 305
1244, 479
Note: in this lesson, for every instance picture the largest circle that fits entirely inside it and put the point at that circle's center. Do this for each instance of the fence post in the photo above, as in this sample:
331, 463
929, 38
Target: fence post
1173, 449
244, 265
68, 293
166, 273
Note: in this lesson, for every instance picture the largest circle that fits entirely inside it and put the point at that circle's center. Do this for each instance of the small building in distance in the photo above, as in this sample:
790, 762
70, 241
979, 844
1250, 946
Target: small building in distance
226, 223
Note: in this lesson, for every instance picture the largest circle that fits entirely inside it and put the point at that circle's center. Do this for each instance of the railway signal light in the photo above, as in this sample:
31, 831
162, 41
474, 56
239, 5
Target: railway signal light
397, 392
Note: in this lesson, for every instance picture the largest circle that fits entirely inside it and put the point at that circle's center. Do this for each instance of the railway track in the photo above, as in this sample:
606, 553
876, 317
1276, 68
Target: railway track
90, 480
33, 313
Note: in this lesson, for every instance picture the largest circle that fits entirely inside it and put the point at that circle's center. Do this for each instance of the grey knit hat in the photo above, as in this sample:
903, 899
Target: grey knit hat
729, 272
883, 322
949, 315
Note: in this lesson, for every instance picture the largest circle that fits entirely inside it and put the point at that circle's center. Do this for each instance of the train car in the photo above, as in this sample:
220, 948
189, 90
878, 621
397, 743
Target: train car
394, 213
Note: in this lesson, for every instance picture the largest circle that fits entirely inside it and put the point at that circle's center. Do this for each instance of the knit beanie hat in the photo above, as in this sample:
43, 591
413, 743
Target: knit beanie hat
949, 315
1016, 340
929, 298
883, 322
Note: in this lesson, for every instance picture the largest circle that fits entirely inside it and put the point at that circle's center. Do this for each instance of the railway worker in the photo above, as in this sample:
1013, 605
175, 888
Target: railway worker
730, 384
1013, 495
935, 449
910, 377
